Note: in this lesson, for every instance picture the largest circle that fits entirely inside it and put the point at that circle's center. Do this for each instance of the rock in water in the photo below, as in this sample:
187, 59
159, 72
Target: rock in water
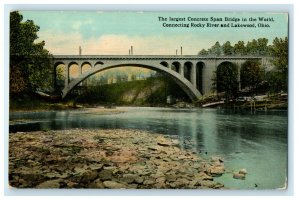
217, 159
105, 175
129, 178
217, 170
204, 176
50, 184
149, 182
239, 176
89, 176
96, 184
113, 185
243, 171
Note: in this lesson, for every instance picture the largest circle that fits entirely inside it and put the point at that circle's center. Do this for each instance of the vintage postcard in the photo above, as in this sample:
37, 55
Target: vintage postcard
148, 100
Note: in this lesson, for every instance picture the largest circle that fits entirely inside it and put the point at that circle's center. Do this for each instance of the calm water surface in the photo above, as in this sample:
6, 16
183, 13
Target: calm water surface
257, 142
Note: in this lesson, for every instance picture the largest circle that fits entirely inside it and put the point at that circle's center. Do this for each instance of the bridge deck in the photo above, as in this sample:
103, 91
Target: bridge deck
152, 57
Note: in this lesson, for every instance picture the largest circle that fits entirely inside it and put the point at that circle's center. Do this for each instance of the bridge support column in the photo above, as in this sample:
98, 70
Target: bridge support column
80, 68
194, 75
54, 78
239, 75
181, 70
208, 74
67, 74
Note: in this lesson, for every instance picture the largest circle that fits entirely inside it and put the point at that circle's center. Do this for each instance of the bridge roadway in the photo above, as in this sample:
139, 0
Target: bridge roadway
193, 73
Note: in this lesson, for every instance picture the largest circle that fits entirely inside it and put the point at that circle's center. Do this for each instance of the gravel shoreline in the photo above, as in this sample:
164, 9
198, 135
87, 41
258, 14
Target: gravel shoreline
107, 159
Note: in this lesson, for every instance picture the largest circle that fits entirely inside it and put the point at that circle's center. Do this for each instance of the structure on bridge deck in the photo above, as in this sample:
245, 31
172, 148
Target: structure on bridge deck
193, 73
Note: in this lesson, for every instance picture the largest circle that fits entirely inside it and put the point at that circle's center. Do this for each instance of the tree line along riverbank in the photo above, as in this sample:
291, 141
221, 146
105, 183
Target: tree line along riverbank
149, 92
142, 94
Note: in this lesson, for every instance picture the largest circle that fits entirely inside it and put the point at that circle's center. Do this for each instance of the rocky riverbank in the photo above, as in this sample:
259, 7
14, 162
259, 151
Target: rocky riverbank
111, 159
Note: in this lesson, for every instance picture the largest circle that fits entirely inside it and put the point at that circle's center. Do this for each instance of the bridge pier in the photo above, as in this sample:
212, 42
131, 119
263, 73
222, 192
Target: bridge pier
181, 69
208, 73
239, 75
194, 75
54, 77
67, 74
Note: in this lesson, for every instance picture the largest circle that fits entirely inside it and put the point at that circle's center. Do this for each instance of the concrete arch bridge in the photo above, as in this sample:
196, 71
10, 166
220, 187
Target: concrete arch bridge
192, 73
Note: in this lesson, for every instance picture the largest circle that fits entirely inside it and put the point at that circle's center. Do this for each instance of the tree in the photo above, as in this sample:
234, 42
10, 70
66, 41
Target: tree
216, 49
103, 80
203, 52
274, 81
252, 75
262, 46
279, 52
226, 80
239, 48
30, 64
227, 49
252, 48
133, 77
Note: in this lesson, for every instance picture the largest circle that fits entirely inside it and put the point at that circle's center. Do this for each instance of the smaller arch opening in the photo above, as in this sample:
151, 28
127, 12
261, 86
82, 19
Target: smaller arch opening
176, 66
60, 75
74, 70
164, 63
199, 76
98, 63
86, 64
188, 70
85, 67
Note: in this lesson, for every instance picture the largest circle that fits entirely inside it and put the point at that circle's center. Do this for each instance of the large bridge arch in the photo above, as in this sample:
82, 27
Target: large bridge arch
185, 84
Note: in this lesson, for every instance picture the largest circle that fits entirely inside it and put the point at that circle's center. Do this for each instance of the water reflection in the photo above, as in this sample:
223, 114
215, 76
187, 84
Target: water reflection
256, 142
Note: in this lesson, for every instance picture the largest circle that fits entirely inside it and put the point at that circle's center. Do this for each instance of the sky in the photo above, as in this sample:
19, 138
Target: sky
112, 33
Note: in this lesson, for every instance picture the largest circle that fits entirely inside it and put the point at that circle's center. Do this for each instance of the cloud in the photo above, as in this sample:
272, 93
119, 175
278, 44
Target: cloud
61, 43
79, 24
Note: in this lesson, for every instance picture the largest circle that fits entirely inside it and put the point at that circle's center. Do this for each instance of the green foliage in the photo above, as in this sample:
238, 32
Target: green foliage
60, 75
152, 91
275, 80
121, 78
258, 47
226, 80
227, 49
255, 47
203, 52
239, 48
216, 49
262, 47
278, 78
30, 63
133, 77
251, 47
252, 75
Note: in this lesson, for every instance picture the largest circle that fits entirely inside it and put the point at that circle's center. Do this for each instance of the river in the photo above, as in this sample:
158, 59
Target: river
256, 142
